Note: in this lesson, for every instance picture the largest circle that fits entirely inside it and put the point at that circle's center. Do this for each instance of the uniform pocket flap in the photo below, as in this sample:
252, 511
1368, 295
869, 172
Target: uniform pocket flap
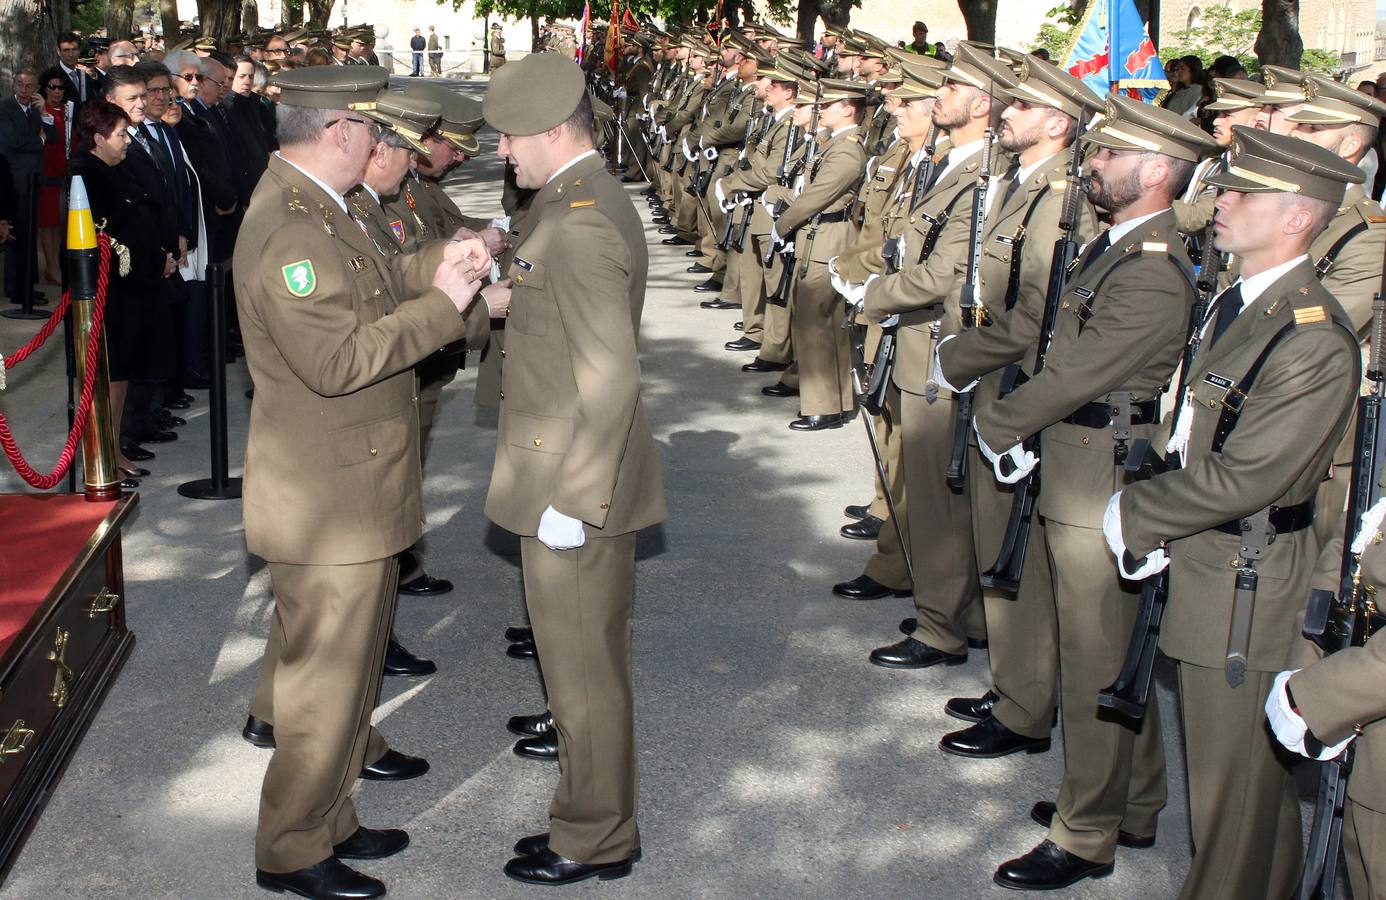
527, 273
545, 434
384, 439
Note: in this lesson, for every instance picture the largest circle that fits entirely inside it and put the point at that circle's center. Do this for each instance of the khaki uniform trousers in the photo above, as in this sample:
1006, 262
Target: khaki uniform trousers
822, 346
750, 288
887, 565
580, 608
947, 597
333, 622
1364, 847
636, 152
687, 219
1114, 773
731, 276
488, 373
1022, 629
776, 342
435, 373
1247, 839
710, 226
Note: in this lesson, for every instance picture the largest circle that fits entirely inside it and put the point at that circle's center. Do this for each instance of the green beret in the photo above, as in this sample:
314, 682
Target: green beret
1260, 162
330, 87
532, 95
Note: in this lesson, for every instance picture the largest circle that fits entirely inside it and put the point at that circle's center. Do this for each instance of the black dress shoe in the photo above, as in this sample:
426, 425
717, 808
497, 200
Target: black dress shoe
543, 746
179, 403
184, 398
530, 726
258, 732
989, 739
864, 587
1047, 868
172, 422
764, 365
698, 269
677, 241
742, 343
425, 586
857, 512
518, 633
907, 626
660, 220
719, 303
692, 253
522, 650
136, 453
394, 766
330, 879
536, 843
631, 179
779, 389
666, 228
819, 423
711, 286
128, 484
912, 654
867, 529
970, 709
399, 661
1043, 813
136, 472
372, 843
547, 867
739, 326
157, 437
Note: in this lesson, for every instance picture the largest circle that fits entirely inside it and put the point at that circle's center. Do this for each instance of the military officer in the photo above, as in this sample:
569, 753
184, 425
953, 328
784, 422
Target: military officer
716, 142
576, 497
1236, 101
638, 79
682, 112
1339, 699
1110, 357
1040, 127
1281, 349
925, 294
332, 328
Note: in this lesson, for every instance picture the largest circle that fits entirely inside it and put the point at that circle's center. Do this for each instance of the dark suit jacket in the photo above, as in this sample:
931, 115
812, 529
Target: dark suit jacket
144, 172
21, 141
249, 144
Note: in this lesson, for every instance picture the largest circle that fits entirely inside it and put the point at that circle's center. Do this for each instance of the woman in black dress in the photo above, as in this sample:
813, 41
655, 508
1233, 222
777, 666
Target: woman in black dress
124, 211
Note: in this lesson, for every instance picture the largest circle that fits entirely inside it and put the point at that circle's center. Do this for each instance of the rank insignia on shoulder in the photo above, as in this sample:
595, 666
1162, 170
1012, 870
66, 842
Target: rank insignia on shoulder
300, 278
397, 229
579, 204
1309, 315
1059, 184
1376, 220
1152, 247
358, 263
524, 264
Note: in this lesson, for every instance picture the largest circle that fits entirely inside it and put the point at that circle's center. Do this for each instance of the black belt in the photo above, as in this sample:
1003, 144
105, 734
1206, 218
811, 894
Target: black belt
1284, 519
1100, 415
844, 215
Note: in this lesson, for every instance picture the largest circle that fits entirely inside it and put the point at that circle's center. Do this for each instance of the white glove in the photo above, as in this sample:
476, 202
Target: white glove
789, 248
1155, 561
619, 93
560, 532
663, 135
939, 378
687, 154
1289, 726
1021, 459
852, 291
775, 238
710, 154
722, 202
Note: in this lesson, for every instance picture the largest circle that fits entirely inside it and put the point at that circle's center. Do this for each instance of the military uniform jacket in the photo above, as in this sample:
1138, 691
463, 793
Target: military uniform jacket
887, 176
332, 332
926, 292
572, 431
718, 127
1355, 273
1277, 455
639, 78
384, 229
1194, 214
760, 167
831, 187
1342, 693
879, 130
1121, 328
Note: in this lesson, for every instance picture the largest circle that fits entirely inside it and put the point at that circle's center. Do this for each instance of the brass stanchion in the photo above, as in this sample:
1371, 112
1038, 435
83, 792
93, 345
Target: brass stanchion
100, 477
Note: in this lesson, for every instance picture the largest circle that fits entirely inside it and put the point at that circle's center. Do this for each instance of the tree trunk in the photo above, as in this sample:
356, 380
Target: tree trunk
1279, 43
533, 33
120, 19
291, 13
25, 38
250, 17
807, 22
219, 18
980, 16
168, 15
318, 11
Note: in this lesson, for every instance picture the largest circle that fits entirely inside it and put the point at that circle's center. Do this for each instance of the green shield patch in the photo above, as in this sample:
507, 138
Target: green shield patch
300, 278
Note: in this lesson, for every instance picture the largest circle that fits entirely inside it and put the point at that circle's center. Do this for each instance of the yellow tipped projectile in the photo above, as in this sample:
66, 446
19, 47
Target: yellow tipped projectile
81, 230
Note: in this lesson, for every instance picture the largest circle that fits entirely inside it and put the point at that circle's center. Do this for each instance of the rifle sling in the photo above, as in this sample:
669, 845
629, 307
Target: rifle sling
1018, 245
1328, 259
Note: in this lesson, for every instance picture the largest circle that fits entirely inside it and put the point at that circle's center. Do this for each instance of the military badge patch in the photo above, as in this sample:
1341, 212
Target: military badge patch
300, 278
397, 229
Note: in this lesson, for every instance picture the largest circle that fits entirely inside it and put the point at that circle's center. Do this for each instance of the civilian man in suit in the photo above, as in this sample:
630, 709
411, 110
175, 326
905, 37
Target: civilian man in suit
21, 143
83, 87
576, 475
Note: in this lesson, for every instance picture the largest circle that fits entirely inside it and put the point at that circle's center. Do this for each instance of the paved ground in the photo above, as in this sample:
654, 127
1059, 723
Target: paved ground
775, 761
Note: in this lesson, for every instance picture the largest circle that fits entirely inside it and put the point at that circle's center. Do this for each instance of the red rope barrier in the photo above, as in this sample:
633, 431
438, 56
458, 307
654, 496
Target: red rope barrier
79, 424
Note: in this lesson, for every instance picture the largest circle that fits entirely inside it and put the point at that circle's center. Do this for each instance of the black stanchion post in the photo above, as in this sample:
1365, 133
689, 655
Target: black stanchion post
219, 486
28, 252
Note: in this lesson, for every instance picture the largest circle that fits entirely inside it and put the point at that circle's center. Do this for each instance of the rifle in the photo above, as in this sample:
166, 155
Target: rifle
970, 310
1349, 618
1010, 561
724, 243
789, 258
1131, 690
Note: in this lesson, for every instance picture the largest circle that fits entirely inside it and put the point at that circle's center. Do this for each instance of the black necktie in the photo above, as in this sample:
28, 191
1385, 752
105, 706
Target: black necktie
159, 151
1098, 247
1012, 183
1229, 305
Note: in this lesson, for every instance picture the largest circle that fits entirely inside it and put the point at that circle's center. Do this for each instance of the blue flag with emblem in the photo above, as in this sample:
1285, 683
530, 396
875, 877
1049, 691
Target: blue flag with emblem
1112, 50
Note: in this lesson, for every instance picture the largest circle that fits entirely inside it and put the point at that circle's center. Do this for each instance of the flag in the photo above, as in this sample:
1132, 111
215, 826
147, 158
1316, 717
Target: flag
613, 37
1113, 51
586, 27
628, 21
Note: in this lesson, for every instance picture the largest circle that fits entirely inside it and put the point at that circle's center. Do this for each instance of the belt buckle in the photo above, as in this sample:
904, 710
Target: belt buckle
1231, 404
